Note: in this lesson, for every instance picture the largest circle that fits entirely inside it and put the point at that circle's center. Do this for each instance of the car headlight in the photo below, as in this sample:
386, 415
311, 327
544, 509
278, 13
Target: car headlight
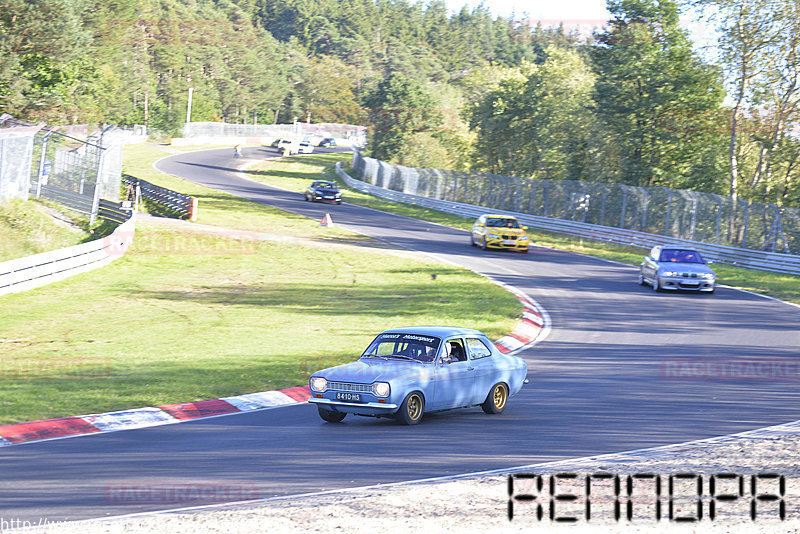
338, 194
493, 236
318, 384
380, 389
523, 238
707, 276
670, 273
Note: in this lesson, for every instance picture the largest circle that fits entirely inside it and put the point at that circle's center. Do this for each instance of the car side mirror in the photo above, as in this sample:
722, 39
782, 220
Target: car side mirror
524, 227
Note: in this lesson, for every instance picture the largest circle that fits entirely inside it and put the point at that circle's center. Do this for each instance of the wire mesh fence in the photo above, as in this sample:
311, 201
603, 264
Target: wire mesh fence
61, 165
299, 129
16, 149
676, 213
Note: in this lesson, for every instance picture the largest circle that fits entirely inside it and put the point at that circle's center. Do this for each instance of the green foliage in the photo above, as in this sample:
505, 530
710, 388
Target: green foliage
657, 99
41, 46
27, 228
633, 104
398, 108
535, 120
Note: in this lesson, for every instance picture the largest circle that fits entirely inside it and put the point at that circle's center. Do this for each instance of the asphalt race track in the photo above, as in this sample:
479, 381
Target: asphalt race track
600, 383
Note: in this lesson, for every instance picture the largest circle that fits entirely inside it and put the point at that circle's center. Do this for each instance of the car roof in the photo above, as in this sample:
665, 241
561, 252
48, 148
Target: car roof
497, 216
438, 331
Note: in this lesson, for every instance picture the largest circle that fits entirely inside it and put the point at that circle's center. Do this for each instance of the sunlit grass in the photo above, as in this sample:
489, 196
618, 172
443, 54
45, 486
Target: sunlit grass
287, 175
189, 314
26, 228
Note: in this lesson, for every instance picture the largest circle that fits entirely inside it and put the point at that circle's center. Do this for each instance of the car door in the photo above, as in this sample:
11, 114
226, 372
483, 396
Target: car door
650, 263
478, 229
455, 379
486, 373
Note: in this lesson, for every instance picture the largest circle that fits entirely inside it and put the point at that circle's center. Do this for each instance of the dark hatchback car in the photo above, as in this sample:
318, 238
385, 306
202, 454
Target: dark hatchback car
676, 268
324, 191
328, 141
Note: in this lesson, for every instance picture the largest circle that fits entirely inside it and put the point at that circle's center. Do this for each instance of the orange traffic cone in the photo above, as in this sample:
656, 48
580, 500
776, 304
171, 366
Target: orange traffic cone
326, 221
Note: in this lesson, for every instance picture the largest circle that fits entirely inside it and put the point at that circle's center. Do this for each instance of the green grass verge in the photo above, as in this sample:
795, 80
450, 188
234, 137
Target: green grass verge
26, 228
290, 176
189, 314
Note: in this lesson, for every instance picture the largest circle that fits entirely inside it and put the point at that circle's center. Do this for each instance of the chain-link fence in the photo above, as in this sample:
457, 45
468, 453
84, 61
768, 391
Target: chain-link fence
677, 213
47, 162
352, 133
16, 149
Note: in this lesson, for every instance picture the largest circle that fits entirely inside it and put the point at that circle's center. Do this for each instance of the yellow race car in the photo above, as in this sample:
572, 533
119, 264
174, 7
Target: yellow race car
501, 232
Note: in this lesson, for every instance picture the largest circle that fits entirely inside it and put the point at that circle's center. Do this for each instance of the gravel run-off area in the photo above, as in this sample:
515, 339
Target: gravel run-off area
479, 503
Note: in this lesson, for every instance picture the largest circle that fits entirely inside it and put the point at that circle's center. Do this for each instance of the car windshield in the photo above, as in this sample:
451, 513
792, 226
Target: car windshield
680, 256
502, 223
415, 347
324, 185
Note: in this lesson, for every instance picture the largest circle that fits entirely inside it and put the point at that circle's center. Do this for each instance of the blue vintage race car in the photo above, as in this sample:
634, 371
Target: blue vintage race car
406, 372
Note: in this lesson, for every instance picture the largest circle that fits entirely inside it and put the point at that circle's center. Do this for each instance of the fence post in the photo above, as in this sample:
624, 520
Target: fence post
546, 197
694, 214
603, 206
645, 205
42, 160
746, 222
624, 207
530, 201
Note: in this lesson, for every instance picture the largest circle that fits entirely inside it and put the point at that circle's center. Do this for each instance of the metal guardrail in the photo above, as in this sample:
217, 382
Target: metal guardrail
677, 213
108, 210
751, 259
114, 211
75, 201
183, 205
29, 272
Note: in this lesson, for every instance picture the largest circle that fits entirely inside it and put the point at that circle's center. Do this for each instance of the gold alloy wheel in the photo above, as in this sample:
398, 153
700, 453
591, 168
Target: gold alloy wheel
500, 396
414, 407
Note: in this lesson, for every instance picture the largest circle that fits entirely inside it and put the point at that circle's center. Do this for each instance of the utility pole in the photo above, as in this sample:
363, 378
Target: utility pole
189, 106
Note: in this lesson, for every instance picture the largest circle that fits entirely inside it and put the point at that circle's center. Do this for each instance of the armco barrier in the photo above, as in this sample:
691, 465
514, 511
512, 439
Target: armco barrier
752, 259
106, 209
41, 269
183, 205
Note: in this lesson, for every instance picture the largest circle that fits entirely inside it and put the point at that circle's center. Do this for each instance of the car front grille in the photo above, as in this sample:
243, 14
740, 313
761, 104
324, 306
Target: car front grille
350, 386
509, 237
689, 275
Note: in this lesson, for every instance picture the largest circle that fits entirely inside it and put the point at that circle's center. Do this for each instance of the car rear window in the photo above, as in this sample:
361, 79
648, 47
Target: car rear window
477, 348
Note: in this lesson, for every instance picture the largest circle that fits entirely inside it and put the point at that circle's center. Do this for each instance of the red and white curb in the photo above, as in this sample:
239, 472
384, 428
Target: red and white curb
146, 417
531, 329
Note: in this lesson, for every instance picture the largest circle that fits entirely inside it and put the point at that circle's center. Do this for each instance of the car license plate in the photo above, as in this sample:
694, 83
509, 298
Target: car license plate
509, 242
690, 283
349, 397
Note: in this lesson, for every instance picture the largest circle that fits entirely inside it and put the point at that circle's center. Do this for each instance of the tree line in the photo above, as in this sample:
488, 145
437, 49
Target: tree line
634, 103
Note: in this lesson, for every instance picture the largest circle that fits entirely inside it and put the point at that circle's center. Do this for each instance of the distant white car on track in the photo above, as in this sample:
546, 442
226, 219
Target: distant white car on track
676, 268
